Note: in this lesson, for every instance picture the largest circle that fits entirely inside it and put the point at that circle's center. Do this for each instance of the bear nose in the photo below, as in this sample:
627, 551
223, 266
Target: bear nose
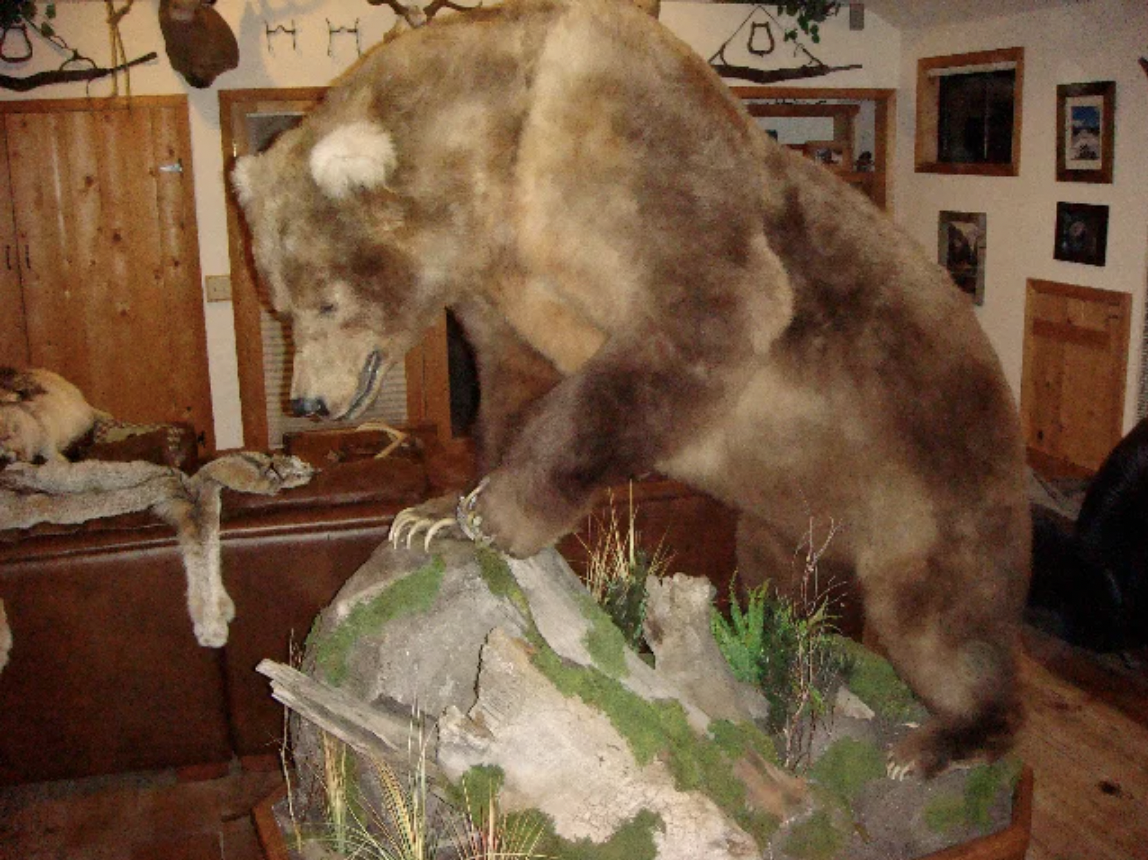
307, 406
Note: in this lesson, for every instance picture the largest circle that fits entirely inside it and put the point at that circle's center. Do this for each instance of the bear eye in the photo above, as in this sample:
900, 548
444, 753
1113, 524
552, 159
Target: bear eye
327, 309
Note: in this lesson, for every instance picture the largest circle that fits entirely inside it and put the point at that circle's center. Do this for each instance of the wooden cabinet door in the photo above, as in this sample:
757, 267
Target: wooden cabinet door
13, 334
105, 218
1072, 388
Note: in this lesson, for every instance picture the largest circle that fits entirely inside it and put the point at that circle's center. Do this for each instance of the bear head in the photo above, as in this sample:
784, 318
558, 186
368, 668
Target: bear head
334, 243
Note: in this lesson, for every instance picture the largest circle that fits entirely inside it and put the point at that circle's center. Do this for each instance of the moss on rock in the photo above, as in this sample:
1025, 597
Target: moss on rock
952, 811
633, 840
604, 640
816, 838
500, 580
846, 766
660, 729
875, 682
412, 595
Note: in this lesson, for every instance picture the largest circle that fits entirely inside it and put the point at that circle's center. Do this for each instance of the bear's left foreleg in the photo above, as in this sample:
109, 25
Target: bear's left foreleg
615, 418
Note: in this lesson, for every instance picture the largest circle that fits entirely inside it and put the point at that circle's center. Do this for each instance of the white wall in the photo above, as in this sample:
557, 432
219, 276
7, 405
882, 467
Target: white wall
1099, 40
275, 63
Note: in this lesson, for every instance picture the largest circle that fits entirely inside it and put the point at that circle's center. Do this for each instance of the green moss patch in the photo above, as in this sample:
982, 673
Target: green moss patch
412, 595
660, 729
845, 768
816, 838
605, 642
874, 681
954, 811
634, 840
495, 572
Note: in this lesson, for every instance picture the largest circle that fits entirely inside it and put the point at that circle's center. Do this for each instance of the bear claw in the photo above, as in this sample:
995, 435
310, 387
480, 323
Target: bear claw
469, 520
898, 770
410, 522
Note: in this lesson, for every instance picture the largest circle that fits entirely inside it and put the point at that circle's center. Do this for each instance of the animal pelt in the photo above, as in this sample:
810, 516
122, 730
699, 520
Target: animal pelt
61, 492
41, 415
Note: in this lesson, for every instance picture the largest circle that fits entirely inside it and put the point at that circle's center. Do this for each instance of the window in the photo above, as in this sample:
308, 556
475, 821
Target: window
969, 113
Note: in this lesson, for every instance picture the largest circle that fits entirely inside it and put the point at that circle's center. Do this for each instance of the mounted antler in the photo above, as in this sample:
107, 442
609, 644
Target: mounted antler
199, 43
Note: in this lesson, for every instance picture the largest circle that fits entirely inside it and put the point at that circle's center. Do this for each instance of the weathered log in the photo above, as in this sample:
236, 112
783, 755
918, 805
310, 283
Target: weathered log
367, 730
677, 628
561, 756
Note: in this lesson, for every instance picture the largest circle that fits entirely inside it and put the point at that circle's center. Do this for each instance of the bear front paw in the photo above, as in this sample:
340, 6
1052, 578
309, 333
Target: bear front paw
433, 517
497, 514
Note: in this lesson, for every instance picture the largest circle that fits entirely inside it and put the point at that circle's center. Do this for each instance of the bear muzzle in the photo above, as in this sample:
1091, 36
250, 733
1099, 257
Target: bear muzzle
309, 407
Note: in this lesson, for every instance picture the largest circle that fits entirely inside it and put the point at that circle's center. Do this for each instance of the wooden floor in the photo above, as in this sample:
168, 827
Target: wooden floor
147, 816
1086, 740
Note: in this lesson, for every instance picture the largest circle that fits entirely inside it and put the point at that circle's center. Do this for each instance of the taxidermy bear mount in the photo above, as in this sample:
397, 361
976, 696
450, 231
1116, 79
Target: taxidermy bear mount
649, 283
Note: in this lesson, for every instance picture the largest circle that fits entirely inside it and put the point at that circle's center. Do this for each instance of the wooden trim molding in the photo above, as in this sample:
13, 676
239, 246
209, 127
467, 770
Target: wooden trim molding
928, 96
233, 106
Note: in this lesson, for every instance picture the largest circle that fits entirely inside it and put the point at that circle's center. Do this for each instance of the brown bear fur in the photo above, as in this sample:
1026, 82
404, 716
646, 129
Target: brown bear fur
651, 284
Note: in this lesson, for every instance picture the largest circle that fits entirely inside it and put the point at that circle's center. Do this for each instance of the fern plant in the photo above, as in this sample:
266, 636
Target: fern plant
788, 652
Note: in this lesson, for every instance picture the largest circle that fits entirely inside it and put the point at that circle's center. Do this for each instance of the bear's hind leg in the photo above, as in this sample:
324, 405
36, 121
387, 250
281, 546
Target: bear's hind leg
953, 644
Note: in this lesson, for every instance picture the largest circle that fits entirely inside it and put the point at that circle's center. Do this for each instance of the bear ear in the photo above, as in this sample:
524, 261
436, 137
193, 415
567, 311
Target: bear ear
356, 155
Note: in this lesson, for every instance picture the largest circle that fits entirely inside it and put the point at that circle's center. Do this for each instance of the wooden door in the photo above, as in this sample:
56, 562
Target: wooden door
1072, 388
13, 334
105, 220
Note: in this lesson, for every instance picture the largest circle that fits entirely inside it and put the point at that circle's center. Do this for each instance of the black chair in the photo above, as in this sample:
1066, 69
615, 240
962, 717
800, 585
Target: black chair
1090, 578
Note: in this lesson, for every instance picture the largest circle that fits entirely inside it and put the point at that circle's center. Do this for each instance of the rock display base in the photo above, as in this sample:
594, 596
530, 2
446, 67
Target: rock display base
516, 670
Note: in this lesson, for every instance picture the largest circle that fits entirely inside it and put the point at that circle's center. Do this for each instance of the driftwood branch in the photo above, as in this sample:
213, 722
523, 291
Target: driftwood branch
366, 729
67, 76
773, 76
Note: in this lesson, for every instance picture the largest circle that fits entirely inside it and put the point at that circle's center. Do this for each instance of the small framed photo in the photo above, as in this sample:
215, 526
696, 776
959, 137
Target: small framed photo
834, 154
1085, 131
1081, 233
962, 238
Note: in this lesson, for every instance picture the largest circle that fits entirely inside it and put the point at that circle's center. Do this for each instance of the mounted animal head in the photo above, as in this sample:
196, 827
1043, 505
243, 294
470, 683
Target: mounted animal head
198, 41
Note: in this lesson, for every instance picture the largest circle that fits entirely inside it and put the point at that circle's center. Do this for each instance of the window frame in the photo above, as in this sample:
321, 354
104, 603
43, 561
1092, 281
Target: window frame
929, 75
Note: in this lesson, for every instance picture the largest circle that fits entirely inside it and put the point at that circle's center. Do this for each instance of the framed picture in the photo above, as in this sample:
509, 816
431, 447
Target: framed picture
1081, 233
1085, 115
962, 238
834, 154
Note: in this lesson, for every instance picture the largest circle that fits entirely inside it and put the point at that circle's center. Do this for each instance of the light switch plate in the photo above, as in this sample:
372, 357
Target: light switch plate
217, 288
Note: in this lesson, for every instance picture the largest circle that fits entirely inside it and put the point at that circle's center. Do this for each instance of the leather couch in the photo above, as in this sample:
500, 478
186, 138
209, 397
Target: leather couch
105, 675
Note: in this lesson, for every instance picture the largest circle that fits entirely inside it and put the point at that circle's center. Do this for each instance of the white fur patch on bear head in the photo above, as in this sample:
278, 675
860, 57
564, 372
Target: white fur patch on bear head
356, 155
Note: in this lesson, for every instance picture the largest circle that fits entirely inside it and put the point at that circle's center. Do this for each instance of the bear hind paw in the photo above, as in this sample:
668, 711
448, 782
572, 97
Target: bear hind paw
937, 747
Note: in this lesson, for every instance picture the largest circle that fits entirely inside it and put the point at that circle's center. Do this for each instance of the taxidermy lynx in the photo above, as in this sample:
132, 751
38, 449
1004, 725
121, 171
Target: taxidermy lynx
41, 415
